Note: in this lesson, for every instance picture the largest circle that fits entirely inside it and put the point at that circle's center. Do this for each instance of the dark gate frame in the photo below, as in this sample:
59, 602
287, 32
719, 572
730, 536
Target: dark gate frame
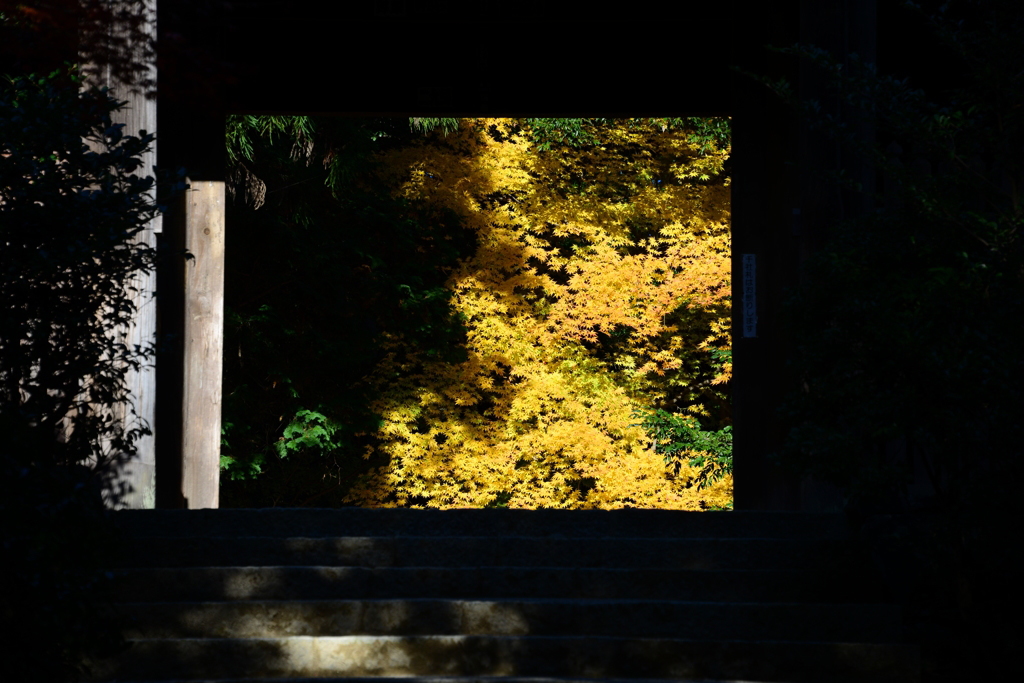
426, 66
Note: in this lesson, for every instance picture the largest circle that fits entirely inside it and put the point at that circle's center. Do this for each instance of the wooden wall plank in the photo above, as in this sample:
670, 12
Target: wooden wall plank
134, 486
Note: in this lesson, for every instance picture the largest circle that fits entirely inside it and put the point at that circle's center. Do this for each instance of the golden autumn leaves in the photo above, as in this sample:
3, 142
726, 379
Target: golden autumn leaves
594, 292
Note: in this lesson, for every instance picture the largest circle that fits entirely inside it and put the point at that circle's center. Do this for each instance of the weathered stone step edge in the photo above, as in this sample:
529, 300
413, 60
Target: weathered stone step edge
867, 623
587, 657
461, 679
312, 582
567, 523
487, 551
464, 679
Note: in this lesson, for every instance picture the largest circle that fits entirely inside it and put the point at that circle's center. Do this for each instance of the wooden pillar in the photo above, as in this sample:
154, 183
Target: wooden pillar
138, 476
203, 344
783, 207
841, 29
763, 170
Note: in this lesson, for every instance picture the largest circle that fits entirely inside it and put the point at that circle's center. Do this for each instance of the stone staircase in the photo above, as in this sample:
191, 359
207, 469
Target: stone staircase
510, 595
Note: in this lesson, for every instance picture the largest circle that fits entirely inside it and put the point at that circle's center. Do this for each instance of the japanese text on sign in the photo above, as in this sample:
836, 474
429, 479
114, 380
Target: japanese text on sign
749, 295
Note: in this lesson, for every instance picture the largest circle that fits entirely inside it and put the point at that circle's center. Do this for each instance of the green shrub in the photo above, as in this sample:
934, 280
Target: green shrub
69, 217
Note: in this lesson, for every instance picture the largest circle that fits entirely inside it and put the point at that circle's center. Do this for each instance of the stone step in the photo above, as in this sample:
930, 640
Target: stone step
559, 656
867, 623
310, 522
318, 583
461, 679
492, 596
492, 551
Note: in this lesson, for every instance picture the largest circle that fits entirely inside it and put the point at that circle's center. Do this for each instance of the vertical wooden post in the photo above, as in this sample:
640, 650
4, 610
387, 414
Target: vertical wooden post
783, 208
203, 344
841, 30
138, 476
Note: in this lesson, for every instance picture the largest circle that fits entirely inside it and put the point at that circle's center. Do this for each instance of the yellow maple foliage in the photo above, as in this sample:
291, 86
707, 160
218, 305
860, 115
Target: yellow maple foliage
577, 246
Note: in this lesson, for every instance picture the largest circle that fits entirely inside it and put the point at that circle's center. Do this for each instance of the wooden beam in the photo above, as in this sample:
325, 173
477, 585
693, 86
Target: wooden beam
203, 344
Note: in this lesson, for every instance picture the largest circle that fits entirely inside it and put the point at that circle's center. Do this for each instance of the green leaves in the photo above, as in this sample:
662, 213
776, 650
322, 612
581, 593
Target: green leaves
425, 125
673, 435
569, 132
707, 133
309, 429
68, 218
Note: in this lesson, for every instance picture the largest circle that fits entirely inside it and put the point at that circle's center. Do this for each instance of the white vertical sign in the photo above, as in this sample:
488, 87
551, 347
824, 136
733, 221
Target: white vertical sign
749, 295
